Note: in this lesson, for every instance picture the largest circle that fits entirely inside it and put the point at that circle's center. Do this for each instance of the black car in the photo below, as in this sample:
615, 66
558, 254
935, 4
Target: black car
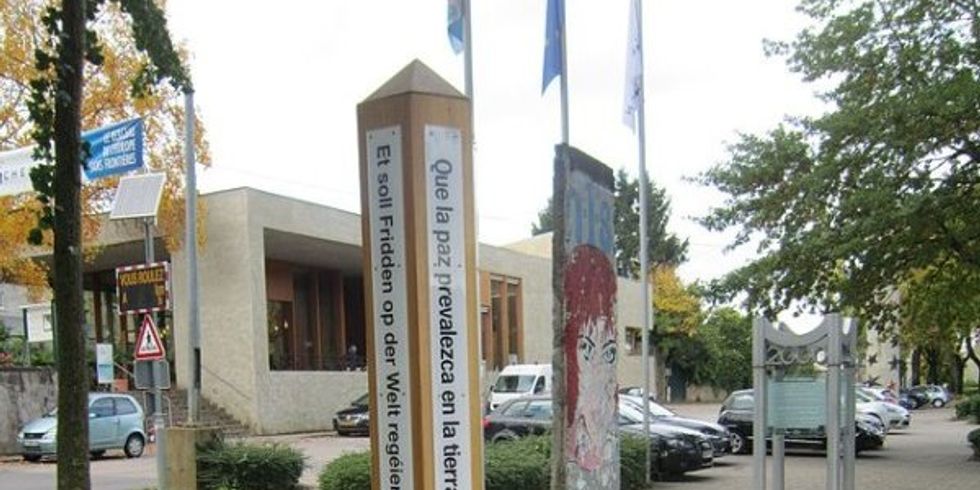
737, 416
717, 434
355, 420
675, 450
920, 396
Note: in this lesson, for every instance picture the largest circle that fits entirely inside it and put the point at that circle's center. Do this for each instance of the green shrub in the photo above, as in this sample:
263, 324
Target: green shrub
632, 452
969, 408
248, 466
974, 438
351, 471
524, 464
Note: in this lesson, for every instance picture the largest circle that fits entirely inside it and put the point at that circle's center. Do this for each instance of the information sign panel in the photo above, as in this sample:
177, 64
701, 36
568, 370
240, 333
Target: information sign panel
143, 288
797, 403
103, 363
390, 306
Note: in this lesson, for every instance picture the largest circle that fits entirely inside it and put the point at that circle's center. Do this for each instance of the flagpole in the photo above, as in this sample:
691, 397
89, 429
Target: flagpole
564, 81
644, 252
468, 55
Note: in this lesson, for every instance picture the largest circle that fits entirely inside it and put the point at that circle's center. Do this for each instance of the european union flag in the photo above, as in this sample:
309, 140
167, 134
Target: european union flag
554, 30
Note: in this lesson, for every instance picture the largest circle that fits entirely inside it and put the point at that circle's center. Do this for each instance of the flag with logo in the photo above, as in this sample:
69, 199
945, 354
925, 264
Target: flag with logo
633, 93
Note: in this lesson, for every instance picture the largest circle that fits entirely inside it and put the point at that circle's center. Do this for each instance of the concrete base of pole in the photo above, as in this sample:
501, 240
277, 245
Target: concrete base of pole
181, 454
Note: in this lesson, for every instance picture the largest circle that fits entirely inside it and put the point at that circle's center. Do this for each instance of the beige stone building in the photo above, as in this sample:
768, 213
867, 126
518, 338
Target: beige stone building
281, 308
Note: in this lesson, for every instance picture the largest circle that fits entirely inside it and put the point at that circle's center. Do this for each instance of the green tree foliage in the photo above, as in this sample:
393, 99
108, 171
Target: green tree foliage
727, 335
664, 248
57, 90
870, 207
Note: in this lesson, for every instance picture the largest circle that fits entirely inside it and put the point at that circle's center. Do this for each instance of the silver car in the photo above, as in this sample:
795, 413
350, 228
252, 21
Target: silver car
115, 422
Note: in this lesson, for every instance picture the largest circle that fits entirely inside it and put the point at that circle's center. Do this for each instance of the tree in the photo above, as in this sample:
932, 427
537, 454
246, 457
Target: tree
57, 87
728, 337
664, 248
674, 337
108, 98
880, 193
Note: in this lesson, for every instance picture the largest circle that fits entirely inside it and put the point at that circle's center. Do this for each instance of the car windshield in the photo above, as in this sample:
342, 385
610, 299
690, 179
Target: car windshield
514, 383
630, 413
863, 397
362, 401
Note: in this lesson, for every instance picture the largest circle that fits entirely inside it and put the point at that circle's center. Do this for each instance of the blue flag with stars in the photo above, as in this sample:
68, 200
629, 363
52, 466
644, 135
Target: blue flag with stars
554, 27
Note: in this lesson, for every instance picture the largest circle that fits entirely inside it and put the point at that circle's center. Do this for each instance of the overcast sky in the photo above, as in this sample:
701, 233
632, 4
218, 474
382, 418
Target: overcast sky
277, 86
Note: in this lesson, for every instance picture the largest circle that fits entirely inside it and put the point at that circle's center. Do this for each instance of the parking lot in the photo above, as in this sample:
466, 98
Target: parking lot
931, 455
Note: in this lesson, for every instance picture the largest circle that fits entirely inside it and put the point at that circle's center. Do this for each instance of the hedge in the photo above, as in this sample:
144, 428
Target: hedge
243, 466
969, 408
510, 465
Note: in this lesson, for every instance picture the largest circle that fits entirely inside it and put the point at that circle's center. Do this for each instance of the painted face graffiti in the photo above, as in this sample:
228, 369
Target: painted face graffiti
590, 354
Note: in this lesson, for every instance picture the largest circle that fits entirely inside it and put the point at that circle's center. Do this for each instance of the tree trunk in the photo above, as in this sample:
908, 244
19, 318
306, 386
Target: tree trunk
916, 373
959, 369
932, 359
73, 375
972, 353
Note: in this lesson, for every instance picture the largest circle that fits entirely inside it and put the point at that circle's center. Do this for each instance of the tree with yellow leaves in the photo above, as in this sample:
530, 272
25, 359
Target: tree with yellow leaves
66, 66
108, 98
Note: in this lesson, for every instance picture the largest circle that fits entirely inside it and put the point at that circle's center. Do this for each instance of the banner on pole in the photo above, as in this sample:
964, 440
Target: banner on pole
114, 149
15, 171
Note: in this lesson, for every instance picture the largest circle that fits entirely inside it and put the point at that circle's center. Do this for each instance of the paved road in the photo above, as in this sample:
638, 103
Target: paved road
113, 472
931, 455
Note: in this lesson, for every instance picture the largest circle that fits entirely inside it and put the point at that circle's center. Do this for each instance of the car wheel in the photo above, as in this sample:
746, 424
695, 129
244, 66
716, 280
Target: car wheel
740, 445
504, 435
134, 446
33, 458
938, 403
97, 454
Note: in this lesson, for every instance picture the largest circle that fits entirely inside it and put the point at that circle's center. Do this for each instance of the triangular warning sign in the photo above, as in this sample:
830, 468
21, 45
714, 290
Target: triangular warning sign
148, 345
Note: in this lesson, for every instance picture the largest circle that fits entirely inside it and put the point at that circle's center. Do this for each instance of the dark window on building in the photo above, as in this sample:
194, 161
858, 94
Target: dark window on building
315, 319
280, 319
502, 321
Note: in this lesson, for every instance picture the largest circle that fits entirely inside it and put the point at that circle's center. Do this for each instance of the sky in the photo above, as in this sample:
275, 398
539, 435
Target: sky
277, 86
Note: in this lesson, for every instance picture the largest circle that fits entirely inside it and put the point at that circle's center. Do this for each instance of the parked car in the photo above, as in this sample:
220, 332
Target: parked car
636, 391
518, 380
115, 422
935, 395
737, 416
892, 414
912, 400
354, 420
675, 450
718, 436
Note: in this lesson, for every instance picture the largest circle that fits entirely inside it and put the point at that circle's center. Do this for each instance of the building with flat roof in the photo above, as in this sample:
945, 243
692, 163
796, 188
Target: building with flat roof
282, 308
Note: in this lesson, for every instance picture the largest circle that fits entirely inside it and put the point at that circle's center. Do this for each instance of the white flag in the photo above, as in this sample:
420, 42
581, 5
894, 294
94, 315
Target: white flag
633, 94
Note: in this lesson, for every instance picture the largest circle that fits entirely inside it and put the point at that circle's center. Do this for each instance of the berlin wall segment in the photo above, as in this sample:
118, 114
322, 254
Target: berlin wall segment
586, 435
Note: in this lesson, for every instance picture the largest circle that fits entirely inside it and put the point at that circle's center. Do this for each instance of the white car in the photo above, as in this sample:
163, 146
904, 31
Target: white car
888, 413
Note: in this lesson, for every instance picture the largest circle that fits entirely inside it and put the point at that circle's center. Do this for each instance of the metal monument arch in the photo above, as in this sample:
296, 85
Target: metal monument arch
790, 373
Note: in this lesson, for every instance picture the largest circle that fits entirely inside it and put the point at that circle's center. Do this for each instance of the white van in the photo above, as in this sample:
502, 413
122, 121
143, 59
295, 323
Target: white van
519, 380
